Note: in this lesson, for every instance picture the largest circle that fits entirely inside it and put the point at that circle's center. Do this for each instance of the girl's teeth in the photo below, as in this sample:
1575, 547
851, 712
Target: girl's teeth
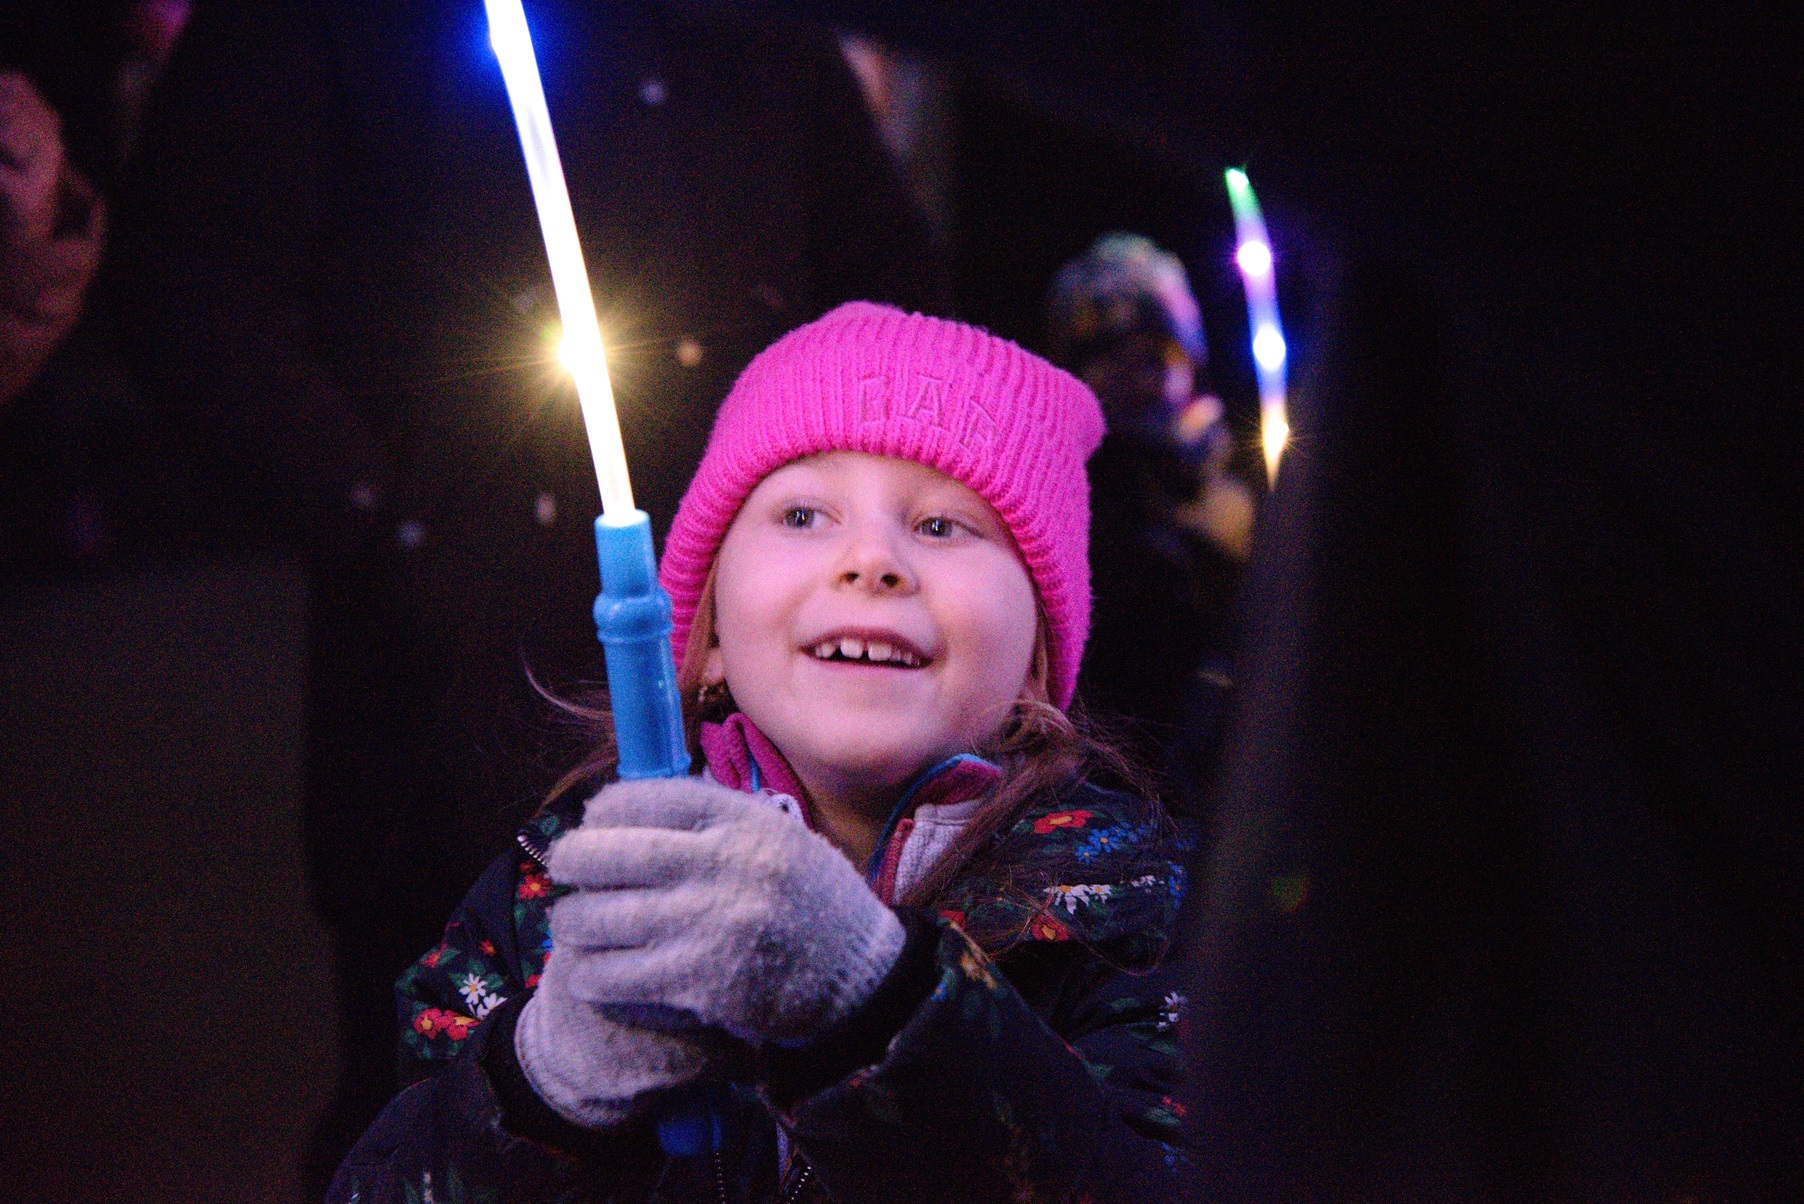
875, 652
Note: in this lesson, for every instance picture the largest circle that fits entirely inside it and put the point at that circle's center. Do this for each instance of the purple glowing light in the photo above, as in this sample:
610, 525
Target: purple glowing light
1254, 258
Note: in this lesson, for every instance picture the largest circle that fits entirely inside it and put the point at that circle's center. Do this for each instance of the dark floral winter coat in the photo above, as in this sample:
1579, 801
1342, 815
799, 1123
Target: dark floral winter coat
1045, 1069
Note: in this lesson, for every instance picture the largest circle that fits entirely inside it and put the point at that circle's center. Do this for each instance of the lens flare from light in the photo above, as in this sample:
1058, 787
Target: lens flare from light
1274, 434
583, 359
582, 352
1254, 258
1268, 347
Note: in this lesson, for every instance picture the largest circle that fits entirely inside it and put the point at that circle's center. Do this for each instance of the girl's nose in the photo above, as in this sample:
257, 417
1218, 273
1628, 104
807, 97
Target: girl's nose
872, 563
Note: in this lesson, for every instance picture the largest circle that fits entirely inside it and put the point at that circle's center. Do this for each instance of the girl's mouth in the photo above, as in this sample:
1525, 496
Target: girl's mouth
869, 650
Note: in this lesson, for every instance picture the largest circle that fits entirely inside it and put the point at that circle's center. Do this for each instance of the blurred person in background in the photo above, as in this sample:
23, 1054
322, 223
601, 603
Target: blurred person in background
1172, 525
52, 228
74, 452
331, 283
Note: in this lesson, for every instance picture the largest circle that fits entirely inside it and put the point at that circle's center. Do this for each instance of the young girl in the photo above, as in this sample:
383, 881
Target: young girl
908, 948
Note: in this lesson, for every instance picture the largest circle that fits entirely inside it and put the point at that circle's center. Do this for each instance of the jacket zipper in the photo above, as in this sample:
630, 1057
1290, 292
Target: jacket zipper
801, 1180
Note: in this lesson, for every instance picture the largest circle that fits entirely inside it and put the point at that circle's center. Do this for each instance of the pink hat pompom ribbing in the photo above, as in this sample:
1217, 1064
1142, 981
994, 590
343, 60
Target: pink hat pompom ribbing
873, 379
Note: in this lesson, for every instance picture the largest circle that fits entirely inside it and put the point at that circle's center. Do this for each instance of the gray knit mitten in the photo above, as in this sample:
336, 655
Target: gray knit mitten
587, 1067
715, 903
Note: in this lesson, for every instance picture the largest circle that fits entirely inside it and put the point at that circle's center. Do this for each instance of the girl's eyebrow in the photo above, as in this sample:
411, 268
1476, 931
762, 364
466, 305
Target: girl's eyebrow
801, 475
784, 482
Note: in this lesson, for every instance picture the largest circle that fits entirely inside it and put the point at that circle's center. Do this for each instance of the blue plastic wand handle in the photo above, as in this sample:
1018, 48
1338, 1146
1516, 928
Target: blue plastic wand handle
632, 619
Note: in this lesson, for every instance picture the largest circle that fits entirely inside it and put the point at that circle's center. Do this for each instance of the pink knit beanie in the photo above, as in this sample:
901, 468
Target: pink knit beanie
873, 379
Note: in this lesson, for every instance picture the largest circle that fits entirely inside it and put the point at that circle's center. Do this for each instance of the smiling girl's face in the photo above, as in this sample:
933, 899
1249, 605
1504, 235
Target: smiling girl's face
874, 618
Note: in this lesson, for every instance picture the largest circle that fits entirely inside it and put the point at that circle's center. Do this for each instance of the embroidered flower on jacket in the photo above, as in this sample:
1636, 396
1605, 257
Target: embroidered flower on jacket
976, 967
477, 993
1103, 840
1044, 927
1168, 1014
534, 885
1070, 896
487, 946
955, 918
1109, 840
432, 959
1061, 819
432, 1022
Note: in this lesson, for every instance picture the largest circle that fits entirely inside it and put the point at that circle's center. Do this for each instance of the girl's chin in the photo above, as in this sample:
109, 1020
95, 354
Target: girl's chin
861, 768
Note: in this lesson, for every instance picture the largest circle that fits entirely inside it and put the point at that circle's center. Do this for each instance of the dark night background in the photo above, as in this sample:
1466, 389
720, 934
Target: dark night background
1519, 728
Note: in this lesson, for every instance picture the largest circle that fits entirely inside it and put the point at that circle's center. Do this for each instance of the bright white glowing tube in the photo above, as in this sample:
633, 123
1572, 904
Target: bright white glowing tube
582, 350
1270, 355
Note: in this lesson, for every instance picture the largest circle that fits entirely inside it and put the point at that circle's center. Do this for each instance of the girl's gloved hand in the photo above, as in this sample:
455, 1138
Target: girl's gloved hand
590, 1069
712, 902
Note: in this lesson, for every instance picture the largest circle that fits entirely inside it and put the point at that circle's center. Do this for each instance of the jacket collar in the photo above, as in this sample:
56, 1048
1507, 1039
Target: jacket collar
957, 779
742, 757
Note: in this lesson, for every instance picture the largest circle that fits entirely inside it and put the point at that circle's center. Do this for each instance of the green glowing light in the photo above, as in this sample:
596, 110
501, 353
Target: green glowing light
1240, 195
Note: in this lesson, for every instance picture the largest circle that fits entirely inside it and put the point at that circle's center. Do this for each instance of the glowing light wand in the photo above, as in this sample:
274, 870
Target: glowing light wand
632, 613
1270, 355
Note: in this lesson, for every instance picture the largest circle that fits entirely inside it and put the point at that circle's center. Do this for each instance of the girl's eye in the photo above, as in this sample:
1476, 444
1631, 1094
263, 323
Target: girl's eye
938, 528
799, 517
